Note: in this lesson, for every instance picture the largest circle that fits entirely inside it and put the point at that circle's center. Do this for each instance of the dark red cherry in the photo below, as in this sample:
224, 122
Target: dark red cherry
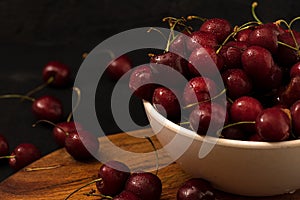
178, 45
264, 37
114, 175
221, 28
145, 185
234, 133
126, 195
199, 89
295, 114
204, 61
199, 38
164, 67
285, 55
48, 108
237, 83
295, 70
273, 124
23, 155
118, 67
4, 148
167, 103
60, 72
61, 130
243, 35
195, 189
142, 82
208, 115
75, 144
232, 52
291, 93
256, 138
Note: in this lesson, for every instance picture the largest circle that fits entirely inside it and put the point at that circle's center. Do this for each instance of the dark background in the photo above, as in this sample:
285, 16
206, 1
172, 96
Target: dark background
33, 33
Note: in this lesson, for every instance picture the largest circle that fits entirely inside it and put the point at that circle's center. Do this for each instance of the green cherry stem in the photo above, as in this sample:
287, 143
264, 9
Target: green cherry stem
254, 5
155, 29
296, 48
191, 17
48, 82
7, 157
51, 123
233, 124
90, 183
16, 96
77, 90
293, 20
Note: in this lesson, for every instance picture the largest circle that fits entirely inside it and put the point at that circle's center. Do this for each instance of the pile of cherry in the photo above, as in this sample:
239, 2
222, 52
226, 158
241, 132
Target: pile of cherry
48, 109
259, 65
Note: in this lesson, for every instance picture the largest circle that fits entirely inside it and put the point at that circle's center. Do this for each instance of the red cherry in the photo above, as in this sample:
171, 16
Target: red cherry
285, 55
126, 195
48, 108
243, 35
61, 130
118, 67
60, 72
4, 148
198, 39
273, 124
221, 28
23, 155
114, 175
295, 113
295, 70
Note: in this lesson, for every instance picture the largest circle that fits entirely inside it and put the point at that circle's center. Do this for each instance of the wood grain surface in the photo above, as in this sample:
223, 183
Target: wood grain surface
64, 175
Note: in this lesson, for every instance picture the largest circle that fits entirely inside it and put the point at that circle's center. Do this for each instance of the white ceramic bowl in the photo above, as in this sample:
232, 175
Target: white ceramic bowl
239, 167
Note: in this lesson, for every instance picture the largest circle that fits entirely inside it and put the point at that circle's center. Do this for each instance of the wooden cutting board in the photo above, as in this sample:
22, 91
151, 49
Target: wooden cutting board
65, 175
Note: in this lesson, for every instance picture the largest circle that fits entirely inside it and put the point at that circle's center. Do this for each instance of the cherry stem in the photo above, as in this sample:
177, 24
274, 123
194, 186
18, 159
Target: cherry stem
254, 5
51, 123
40, 87
156, 154
111, 54
155, 29
293, 20
30, 169
233, 124
77, 90
208, 100
90, 183
7, 157
16, 96
172, 27
191, 17
292, 34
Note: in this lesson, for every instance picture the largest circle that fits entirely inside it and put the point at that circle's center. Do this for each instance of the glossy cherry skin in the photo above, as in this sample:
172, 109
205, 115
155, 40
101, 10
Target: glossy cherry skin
291, 93
199, 89
273, 124
4, 147
243, 35
219, 27
264, 37
126, 195
195, 189
59, 71
142, 82
237, 83
285, 55
234, 133
48, 108
167, 103
61, 130
114, 175
199, 38
232, 52
145, 185
75, 145
118, 67
202, 118
295, 70
295, 114
23, 155
204, 61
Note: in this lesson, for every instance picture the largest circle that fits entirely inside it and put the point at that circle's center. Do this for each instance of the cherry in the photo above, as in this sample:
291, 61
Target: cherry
273, 124
295, 114
75, 144
166, 103
245, 108
234, 133
295, 70
114, 175
237, 83
179, 44
165, 65
4, 147
204, 61
195, 189
275, 27
256, 138
145, 185
232, 52
47, 107
243, 35
291, 93
201, 118
199, 89
23, 155
200, 38
60, 73
118, 67
221, 28
62, 129
126, 195
142, 82
286, 55
264, 37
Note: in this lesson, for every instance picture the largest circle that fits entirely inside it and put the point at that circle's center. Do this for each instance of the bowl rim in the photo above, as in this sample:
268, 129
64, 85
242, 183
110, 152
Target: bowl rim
149, 108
